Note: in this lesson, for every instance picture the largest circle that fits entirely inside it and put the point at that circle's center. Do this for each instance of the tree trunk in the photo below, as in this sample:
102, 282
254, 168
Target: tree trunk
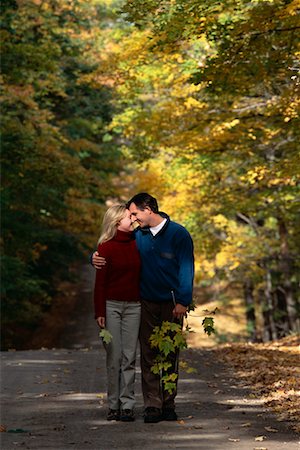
286, 262
269, 309
281, 322
250, 309
266, 331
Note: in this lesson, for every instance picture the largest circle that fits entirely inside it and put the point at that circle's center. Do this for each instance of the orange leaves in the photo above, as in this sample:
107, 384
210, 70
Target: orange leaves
16, 93
273, 372
291, 8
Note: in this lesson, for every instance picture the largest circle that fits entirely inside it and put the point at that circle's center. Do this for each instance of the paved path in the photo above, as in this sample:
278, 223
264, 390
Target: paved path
55, 400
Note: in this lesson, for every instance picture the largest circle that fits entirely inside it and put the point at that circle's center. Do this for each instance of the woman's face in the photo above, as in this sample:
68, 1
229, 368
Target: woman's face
125, 223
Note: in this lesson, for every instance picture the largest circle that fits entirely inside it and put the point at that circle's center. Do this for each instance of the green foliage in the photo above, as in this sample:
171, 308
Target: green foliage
169, 382
106, 336
208, 325
21, 288
171, 338
168, 338
57, 170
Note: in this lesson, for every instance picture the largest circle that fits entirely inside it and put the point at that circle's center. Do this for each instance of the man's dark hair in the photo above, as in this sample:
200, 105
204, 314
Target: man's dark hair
144, 200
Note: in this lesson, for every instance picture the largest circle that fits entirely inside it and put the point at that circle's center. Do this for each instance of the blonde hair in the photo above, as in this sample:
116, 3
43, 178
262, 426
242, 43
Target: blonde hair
111, 222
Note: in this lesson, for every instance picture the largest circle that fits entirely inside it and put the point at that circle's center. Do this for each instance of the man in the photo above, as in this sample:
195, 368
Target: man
166, 285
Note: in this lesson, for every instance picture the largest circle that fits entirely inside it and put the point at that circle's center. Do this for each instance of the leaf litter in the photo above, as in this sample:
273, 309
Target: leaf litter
272, 372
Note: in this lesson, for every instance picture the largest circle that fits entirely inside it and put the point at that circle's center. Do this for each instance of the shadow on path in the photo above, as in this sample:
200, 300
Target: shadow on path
55, 399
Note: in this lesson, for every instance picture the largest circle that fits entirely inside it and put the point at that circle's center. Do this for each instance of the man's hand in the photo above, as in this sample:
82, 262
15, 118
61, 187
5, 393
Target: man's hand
179, 312
101, 322
98, 261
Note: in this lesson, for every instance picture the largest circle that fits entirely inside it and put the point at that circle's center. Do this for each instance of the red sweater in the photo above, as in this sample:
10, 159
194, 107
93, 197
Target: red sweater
119, 279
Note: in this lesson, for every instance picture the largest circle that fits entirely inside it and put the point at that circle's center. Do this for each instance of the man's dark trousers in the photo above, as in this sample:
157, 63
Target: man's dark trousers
154, 314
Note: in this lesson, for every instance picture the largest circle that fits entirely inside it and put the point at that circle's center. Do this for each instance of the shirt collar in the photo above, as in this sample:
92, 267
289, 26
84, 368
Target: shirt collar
157, 228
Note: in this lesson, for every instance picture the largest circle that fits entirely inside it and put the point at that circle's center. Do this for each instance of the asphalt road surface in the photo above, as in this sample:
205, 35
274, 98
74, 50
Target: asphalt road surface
55, 399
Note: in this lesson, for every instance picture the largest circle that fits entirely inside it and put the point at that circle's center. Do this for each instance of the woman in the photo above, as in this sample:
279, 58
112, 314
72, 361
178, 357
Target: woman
118, 309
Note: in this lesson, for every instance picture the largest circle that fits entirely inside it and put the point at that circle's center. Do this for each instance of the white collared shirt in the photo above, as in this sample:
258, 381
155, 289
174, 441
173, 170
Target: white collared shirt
157, 228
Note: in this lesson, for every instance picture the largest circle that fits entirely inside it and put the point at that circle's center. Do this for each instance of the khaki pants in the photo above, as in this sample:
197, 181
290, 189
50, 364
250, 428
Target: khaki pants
153, 314
123, 322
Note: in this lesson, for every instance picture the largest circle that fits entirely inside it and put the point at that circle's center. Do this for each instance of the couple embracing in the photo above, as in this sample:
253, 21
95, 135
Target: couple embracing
144, 277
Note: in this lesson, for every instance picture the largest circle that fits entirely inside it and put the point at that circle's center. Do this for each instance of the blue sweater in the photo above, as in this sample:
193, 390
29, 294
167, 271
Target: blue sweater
167, 263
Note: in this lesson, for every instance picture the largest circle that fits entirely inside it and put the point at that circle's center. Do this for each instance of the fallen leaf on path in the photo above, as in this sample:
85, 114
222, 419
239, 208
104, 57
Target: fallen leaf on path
2, 429
271, 429
197, 427
233, 440
191, 370
42, 382
247, 424
260, 438
181, 422
272, 372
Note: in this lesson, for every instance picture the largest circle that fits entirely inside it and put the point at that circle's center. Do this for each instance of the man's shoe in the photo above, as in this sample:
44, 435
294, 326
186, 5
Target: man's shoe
127, 415
152, 415
168, 414
113, 414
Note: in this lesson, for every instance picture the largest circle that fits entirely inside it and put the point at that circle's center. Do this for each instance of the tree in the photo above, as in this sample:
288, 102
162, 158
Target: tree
208, 96
57, 167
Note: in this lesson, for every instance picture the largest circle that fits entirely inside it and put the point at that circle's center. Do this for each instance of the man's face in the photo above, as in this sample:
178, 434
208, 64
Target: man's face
140, 216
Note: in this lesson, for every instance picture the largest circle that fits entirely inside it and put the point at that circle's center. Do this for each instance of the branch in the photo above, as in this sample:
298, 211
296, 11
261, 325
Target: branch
274, 29
249, 221
249, 107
